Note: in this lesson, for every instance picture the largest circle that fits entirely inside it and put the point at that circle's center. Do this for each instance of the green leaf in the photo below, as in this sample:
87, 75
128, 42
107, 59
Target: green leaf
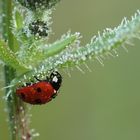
103, 44
38, 53
9, 58
58, 46
18, 20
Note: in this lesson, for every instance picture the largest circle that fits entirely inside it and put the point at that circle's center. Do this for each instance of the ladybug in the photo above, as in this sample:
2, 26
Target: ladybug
42, 91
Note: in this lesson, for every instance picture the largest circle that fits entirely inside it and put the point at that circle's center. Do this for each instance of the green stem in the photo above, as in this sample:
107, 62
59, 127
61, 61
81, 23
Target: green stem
15, 107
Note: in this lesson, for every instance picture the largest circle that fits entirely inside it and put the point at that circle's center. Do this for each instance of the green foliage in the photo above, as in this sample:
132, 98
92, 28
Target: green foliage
7, 56
41, 57
36, 53
67, 51
28, 52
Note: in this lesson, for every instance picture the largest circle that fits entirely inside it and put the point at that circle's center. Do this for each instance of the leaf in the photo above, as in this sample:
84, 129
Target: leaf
38, 53
9, 58
103, 44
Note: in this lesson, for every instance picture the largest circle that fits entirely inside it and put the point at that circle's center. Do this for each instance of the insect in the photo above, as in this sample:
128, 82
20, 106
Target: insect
42, 91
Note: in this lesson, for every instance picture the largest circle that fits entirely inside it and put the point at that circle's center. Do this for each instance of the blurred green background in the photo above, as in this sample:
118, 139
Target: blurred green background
103, 104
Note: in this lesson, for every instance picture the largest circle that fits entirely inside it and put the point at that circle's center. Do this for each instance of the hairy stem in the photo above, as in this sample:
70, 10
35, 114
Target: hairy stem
15, 107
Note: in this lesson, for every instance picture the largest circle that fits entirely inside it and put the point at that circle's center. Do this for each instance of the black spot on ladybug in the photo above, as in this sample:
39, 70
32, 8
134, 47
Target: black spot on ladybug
37, 101
22, 95
38, 89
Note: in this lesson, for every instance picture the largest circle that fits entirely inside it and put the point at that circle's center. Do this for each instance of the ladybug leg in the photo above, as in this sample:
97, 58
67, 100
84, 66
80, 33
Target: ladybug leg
47, 79
28, 84
54, 95
37, 79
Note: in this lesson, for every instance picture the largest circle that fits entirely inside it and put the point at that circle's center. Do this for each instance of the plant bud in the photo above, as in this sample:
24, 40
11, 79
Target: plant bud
39, 28
38, 4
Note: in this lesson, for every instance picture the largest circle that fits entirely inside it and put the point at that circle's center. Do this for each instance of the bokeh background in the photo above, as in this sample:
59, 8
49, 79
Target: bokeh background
100, 105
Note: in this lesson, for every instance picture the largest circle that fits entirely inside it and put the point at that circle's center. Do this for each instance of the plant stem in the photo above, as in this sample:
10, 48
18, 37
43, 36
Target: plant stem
15, 107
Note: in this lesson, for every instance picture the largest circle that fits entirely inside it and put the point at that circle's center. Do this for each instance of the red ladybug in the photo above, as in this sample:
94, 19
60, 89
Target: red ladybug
42, 91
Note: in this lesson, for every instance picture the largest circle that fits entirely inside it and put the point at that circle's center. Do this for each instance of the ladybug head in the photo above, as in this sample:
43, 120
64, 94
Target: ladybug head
55, 80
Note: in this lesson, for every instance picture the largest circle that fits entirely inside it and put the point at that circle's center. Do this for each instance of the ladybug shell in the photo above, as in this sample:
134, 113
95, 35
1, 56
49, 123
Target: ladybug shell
38, 93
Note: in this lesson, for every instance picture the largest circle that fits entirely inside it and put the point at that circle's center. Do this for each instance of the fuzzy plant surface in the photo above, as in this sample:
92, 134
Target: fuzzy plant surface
25, 51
